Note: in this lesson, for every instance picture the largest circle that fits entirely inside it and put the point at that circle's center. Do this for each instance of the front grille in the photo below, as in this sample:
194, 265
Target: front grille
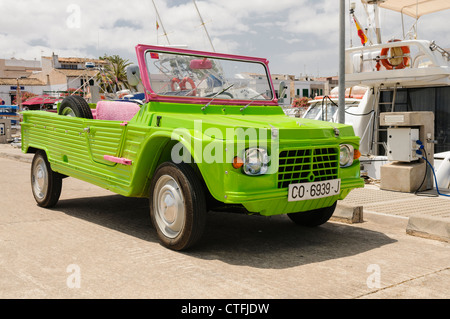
307, 165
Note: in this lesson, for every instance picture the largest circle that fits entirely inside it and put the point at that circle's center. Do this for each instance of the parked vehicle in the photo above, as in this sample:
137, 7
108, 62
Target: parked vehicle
210, 135
325, 108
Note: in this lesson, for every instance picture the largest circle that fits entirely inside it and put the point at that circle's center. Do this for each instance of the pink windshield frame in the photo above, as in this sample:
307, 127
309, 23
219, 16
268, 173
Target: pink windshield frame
151, 95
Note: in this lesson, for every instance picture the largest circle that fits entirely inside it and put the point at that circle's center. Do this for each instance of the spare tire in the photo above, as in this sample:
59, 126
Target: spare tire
75, 106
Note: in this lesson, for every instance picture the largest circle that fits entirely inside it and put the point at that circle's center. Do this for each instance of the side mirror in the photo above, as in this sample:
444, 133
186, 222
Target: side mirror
133, 75
203, 64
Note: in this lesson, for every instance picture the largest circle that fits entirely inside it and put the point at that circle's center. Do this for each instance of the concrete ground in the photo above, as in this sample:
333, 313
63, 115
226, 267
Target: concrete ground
428, 214
95, 244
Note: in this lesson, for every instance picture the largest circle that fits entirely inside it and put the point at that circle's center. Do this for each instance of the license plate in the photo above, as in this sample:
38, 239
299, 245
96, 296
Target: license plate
302, 191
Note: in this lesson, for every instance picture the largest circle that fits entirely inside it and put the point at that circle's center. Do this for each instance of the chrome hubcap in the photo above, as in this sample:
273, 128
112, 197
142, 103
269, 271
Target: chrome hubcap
40, 178
168, 203
68, 112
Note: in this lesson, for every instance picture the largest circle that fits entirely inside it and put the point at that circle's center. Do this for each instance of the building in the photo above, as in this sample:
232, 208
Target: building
16, 68
63, 74
298, 87
331, 82
8, 88
50, 75
15, 73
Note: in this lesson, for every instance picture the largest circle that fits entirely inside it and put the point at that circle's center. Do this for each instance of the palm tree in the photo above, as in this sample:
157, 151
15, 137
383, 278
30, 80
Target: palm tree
113, 76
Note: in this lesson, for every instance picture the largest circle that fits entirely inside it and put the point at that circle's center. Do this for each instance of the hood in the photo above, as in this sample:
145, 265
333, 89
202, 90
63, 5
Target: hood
269, 118
287, 128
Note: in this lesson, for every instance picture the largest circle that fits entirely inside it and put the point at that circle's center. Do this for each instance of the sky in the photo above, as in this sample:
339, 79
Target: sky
298, 37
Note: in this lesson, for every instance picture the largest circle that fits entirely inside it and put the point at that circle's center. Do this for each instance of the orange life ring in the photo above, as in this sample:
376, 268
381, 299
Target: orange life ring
397, 60
191, 82
172, 83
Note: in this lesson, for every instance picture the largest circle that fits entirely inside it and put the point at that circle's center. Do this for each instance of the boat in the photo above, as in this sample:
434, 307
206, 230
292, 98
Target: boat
10, 112
402, 76
325, 107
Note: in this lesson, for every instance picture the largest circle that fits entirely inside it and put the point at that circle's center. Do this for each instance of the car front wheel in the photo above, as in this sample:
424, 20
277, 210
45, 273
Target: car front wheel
177, 205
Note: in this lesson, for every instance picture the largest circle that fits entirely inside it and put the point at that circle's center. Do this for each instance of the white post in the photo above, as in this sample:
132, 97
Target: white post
377, 23
341, 105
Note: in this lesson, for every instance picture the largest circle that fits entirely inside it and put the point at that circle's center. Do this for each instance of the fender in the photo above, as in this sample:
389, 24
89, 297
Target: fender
158, 149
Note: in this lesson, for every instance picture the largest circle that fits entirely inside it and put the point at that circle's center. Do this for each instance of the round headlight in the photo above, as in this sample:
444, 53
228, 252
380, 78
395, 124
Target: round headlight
255, 161
346, 155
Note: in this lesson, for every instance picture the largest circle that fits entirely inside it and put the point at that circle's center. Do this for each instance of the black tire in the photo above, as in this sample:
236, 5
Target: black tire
177, 205
45, 183
314, 217
75, 106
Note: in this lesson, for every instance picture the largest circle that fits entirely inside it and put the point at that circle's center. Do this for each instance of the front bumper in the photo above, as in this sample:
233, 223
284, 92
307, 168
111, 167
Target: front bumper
275, 202
267, 194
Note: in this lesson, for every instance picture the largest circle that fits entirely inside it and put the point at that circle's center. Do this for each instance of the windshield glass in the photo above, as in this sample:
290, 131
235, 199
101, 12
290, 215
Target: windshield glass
175, 74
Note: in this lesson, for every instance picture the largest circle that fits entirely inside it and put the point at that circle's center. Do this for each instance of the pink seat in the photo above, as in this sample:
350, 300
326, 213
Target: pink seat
116, 111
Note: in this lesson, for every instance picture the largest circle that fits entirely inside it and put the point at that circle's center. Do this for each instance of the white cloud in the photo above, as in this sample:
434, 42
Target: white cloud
290, 33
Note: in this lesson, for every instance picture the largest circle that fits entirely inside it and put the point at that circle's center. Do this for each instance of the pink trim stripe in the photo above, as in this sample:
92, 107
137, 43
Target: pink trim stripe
119, 160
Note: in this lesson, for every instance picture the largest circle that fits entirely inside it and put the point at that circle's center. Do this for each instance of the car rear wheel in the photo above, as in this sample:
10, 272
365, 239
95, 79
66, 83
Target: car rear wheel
45, 183
177, 205
75, 106
314, 217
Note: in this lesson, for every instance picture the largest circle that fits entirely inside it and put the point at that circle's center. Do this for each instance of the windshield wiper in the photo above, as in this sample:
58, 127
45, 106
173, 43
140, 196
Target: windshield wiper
243, 108
216, 95
253, 99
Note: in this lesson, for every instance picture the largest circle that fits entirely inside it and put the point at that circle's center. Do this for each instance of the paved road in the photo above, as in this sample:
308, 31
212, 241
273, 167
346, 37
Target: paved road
96, 244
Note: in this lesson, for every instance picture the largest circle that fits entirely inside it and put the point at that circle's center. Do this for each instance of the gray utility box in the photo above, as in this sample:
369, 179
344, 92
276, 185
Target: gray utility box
5, 131
401, 144
407, 169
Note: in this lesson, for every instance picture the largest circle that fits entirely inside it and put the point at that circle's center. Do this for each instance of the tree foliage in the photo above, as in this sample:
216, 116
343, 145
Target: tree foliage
300, 102
113, 76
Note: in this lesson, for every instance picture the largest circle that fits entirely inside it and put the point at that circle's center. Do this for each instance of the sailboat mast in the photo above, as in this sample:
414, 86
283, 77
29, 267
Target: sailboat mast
204, 26
160, 21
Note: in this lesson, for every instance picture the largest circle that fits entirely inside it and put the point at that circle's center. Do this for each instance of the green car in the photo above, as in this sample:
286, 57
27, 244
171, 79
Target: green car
209, 135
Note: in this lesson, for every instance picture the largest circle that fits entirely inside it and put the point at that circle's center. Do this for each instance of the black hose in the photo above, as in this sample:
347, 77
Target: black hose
327, 97
417, 193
